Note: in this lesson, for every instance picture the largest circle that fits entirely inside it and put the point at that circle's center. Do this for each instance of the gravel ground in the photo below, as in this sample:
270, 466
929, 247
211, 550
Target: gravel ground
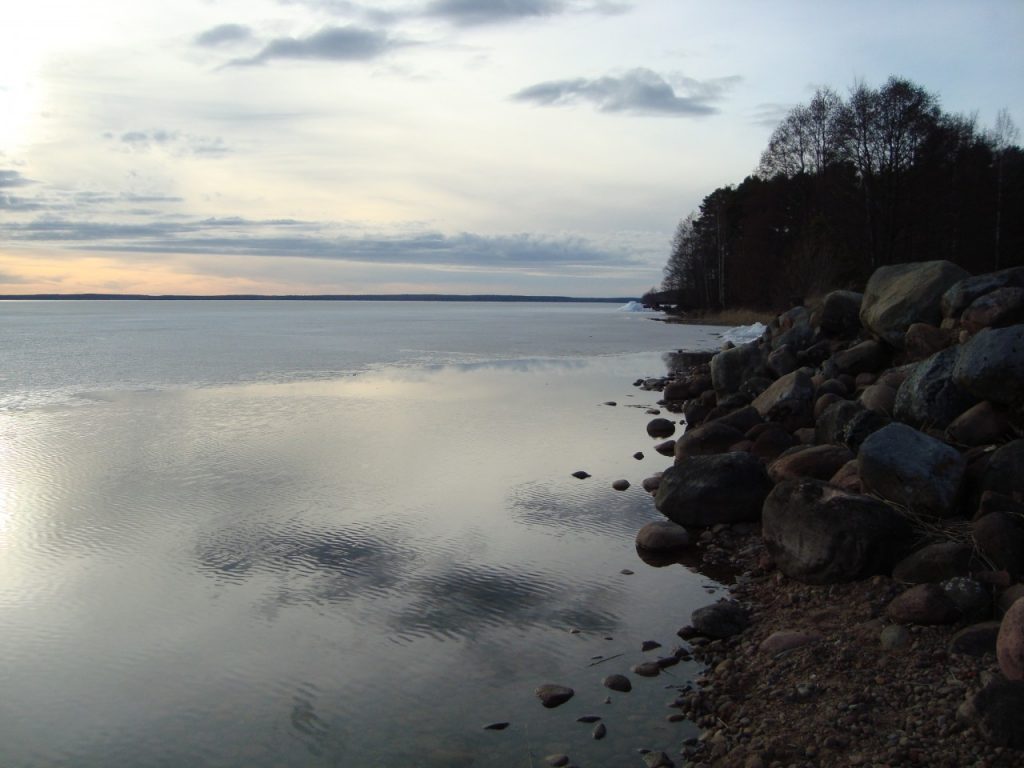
845, 699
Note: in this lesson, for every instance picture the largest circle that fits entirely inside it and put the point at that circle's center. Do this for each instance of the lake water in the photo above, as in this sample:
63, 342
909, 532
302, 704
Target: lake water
328, 533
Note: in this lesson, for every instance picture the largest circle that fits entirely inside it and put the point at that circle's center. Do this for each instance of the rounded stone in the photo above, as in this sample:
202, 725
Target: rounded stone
552, 695
618, 683
662, 536
1010, 642
660, 427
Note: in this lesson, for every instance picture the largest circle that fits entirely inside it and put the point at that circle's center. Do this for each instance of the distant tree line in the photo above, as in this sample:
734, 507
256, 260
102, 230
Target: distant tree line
844, 186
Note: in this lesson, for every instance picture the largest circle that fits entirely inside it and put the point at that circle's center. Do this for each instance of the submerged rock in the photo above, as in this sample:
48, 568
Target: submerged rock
552, 695
720, 620
662, 536
618, 683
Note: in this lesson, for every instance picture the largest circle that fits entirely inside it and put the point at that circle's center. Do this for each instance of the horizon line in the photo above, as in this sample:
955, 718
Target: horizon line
478, 297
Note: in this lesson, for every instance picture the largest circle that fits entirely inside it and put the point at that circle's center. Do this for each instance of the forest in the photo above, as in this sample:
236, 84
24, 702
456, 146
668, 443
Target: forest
846, 185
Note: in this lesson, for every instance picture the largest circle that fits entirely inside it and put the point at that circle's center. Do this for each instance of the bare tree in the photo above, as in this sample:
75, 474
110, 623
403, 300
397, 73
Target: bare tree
1003, 136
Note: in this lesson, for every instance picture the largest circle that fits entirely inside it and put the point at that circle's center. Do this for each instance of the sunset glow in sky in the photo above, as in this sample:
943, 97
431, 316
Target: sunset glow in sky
459, 146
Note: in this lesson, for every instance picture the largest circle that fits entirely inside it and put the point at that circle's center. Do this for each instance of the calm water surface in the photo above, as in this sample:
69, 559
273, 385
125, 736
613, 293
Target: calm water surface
327, 534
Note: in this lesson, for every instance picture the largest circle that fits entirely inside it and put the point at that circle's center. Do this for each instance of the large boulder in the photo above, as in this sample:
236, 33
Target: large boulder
731, 367
796, 386
930, 395
913, 470
706, 490
819, 462
964, 293
711, 437
832, 422
1002, 307
867, 357
902, 294
921, 341
1005, 471
991, 365
934, 563
999, 538
840, 313
1010, 643
982, 424
819, 534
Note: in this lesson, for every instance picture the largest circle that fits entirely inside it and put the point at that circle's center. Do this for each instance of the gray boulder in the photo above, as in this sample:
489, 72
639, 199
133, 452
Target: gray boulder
963, 293
711, 437
701, 491
902, 294
660, 427
819, 534
833, 420
867, 357
991, 365
911, 469
795, 386
930, 396
731, 367
840, 313
1002, 307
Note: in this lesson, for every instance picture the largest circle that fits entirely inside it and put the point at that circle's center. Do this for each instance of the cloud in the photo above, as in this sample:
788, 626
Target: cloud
9, 178
349, 43
638, 91
315, 240
174, 141
478, 12
770, 114
223, 34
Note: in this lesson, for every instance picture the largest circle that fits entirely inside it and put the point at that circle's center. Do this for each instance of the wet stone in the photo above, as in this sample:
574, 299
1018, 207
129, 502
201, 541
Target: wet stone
649, 645
647, 669
552, 695
496, 726
557, 761
580, 474
618, 683
621, 485
600, 731
588, 719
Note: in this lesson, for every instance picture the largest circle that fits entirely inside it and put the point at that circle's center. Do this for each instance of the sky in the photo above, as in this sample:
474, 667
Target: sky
455, 146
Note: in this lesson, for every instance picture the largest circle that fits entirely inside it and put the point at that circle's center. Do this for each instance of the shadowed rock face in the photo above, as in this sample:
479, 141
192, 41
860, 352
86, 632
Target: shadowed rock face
930, 395
991, 365
701, 491
911, 469
821, 535
902, 294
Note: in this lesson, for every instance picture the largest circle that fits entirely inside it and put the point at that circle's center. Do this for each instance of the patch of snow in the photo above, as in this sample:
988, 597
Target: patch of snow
744, 333
634, 306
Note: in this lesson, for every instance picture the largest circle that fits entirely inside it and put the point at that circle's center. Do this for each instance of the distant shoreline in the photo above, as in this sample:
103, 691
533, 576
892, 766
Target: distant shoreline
321, 297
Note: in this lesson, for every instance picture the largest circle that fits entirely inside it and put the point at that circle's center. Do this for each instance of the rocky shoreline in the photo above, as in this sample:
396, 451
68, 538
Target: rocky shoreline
861, 469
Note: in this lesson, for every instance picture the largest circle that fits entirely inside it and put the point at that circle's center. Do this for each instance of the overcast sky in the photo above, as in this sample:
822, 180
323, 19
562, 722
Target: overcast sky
505, 146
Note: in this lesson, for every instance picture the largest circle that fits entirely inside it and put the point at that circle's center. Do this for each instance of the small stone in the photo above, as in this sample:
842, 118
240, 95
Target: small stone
647, 669
660, 427
620, 485
787, 640
557, 761
551, 695
649, 645
610, 402
657, 760
667, 448
600, 731
662, 536
626, 572
580, 474
496, 726
618, 683
639, 455
720, 620
588, 719
894, 636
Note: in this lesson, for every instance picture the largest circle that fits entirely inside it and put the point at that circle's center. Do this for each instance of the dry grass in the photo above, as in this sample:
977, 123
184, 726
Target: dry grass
730, 317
